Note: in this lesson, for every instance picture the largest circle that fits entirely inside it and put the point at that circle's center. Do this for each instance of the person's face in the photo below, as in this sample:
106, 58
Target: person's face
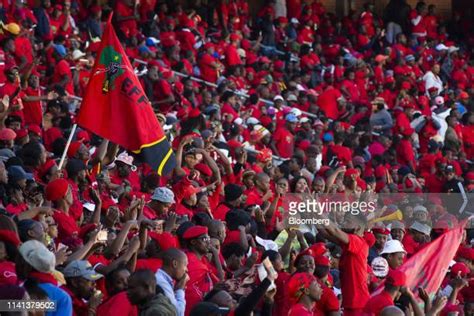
301, 186
315, 291
3, 251
3, 173
47, 3
249, 181
234, 262
123, 170
380, 240
264, 184
37, 232
192, 200
224, 299
83, 153
153, 73
203, 202
397, 234
449, 175
291, 126
436, 69
191, 160
395, 260
306, 264
421, 216
318, 186
180, 268
278, 263
85, 288
137, 291
202, 244
120, 282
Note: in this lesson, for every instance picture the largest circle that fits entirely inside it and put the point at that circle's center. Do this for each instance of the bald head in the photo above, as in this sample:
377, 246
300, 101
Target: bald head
262, 177
392, 311
171, 255
216, 229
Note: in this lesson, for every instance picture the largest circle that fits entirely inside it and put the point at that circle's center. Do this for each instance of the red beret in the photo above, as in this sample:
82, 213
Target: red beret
266, 120
382, 231
21, 133
406, 85
86, 229
461, 269
234, 37
318, 249
203, 169
7, 134
304, 144
73, 149
9, 236
466, 253
194, 232
56, 190
396, 278
165, 240
195, 112
35, 129
390, 79
322, 261
350, 172
83, 135
95, 9
298, 283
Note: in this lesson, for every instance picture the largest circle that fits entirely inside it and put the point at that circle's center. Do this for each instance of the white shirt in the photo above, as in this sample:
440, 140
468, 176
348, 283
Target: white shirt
432, 80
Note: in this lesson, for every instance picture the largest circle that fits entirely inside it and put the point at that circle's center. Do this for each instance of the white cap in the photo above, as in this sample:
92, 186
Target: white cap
292, 97
278, 97
241, 52
304, 120
453, 49
439, 100
297, 112
238, 121
393, 246
76, 54
422, 228
379, 267
295, 21
252, 121
441, 47
420, 208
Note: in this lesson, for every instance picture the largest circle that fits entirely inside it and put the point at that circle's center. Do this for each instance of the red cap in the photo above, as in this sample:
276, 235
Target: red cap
234, 37
322, 261
86, 229
56, 190
73, 149
265, 155
208, 45
35, 129
381, 231
318, 249
470, 176
46, 167
396, 278
195, 112
21, 133
460, 269
203, 169
165, 240
8, 273
95, 9
282, 19
264, 60
166, 73
406, 85
350, 172
83, 135
390, 79
7, 134
9, 236
464, 95
298, 283
466, 253
194, 232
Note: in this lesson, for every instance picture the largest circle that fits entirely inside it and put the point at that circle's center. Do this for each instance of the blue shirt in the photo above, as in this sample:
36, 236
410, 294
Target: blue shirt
62, 299
176, 297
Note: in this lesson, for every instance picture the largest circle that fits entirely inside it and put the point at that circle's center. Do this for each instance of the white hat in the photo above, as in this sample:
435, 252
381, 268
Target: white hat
304, 119
453, 49
439, 100
297, 112
126, 159
38, 256
252, 121
393, 246
278, 97
422, 228
76, 54
241, 52
420, 208
379, 267
295, 21
441, 47
292, 97
238, 121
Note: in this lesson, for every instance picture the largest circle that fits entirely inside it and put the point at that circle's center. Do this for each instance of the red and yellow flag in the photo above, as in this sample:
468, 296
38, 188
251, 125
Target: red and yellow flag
115, 107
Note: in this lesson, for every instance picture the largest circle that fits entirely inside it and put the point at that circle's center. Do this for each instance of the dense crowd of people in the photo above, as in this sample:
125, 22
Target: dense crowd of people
290, 100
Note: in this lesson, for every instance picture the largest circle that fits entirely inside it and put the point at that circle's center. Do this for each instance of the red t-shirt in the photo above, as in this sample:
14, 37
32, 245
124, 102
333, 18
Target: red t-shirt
285, 142
328, 302
32, 111
232, 57
353, 266
405, 153
63, 69
299, 310
67, 226
117, 305
377, 303
327, 102
128, 27
152, 264
208, 72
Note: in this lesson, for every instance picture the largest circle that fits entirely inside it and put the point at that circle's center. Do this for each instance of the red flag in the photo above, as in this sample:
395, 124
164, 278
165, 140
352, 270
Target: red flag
427, 268
115, 107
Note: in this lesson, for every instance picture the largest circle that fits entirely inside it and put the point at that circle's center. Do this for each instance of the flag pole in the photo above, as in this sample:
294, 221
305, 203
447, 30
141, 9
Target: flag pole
69, 140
